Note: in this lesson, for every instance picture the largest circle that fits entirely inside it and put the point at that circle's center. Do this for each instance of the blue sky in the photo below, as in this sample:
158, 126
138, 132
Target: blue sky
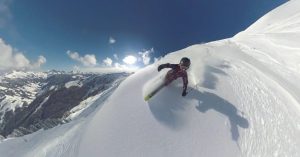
63, 34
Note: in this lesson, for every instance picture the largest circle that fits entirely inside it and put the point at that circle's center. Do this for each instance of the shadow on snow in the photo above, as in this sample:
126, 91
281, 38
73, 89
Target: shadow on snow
168, 106
209, 101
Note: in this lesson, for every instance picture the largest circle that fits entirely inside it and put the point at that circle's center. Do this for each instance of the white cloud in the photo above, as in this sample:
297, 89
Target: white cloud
20, 61
112, 40
116, 57
73, 55
112, 68
120, 66
117, 65
146, 56
86, 60
107, 61
12, 59
41, 60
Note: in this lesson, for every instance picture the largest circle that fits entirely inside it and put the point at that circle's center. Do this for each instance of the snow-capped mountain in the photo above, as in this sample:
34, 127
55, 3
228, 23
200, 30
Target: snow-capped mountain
30, 101
243, 100
19, 88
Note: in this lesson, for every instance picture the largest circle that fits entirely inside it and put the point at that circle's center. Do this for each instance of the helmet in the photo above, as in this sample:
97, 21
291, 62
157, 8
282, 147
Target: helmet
185, 62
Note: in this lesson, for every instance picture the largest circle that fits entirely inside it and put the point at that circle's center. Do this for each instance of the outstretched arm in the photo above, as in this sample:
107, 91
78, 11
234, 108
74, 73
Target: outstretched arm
167, 65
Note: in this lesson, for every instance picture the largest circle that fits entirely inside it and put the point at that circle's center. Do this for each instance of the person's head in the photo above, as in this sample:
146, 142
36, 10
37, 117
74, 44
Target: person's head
185, 63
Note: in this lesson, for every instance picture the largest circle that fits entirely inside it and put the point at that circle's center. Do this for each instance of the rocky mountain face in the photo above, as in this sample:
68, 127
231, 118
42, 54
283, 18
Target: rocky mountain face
30, 101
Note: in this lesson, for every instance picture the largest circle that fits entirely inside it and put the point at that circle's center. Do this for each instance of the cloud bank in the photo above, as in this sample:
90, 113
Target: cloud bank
11, 59
128, 63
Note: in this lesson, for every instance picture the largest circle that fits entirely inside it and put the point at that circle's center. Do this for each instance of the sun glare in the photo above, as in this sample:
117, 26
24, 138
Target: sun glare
130, 60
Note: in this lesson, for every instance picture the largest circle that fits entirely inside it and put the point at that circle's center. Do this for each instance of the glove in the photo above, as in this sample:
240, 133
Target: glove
159, 68
184, 93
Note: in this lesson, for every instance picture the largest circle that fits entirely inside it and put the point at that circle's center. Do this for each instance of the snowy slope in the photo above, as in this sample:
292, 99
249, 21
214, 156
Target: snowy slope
243, 101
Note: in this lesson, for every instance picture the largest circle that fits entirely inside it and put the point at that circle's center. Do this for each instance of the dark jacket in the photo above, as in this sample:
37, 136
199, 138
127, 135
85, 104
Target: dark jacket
175, 73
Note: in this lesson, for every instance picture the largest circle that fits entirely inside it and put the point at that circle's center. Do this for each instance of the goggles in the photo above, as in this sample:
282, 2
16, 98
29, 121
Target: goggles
184, 67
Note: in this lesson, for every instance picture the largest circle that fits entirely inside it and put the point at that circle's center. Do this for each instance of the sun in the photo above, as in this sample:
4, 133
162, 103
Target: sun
130, 60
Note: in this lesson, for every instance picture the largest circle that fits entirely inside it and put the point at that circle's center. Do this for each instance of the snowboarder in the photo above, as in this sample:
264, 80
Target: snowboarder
177, 70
